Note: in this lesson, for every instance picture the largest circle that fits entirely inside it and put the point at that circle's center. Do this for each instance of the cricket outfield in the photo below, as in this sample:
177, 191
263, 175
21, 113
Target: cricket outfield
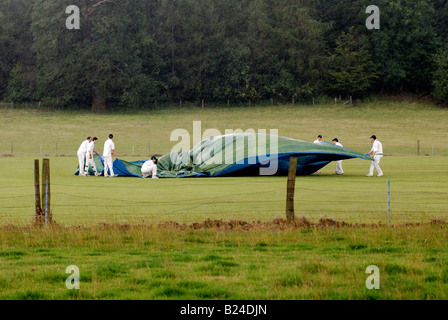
128, 238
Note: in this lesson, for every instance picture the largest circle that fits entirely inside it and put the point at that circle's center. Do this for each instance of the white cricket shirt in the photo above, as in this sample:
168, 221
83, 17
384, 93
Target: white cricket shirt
83, 148
109, 146
147, 165
377, 147
90, 147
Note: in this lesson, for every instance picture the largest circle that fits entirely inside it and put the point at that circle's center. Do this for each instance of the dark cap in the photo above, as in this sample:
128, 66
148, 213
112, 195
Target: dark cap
374, 137
336, 139
319, 136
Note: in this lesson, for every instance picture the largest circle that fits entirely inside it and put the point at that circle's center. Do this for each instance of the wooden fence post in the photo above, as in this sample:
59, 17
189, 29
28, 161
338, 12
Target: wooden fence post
36, 191
45, 178
290, 217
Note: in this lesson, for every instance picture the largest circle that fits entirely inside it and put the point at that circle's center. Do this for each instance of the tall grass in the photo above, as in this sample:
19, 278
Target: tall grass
163, 262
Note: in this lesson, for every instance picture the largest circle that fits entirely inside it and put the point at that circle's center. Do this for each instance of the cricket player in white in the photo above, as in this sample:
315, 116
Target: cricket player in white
150, 167
89, 157
318, 141
109, 150
339, 170
377, 153
82, 156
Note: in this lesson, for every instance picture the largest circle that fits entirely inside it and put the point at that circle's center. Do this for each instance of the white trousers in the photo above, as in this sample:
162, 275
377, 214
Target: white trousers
151, 170
108, 164
81, 159
90, 163
376, 165
339, 167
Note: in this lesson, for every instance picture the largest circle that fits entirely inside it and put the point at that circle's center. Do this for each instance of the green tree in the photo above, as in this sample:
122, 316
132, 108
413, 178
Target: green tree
17, 61
352, 70
100, 65
440, 81
404, 46
440, 18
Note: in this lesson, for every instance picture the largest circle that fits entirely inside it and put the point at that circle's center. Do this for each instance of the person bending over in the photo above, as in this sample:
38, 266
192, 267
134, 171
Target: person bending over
150, 168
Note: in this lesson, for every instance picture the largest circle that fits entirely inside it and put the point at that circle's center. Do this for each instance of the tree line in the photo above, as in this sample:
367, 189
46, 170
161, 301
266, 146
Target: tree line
132, 53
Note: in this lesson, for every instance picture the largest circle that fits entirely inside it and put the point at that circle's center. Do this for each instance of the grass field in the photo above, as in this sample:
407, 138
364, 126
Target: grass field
418, 193
397, 125
119, 232
260, 263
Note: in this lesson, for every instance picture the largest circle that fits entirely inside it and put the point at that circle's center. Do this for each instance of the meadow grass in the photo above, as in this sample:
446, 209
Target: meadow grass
163, 262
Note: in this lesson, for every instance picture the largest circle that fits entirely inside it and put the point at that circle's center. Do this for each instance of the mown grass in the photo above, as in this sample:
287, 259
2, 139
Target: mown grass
154, 262
397, 125
419, 189
419, 192
143, 260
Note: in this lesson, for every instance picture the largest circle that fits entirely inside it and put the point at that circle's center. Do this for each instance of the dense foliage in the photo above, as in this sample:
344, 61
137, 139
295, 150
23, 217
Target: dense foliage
133, 53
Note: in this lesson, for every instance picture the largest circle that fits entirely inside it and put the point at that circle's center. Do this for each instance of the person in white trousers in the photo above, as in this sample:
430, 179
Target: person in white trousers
377, 153
150, 167
89, 157
318, 141
109, 150
339, 170
82, 156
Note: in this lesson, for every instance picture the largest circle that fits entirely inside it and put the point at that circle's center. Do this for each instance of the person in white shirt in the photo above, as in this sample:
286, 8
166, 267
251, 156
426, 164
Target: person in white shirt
109, 150
377, 153
318, 140
339, 170
82, 156
89, 157
150, 167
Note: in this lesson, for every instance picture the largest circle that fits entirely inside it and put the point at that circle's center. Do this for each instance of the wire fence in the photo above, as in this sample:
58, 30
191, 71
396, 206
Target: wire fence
133, 205
144, 148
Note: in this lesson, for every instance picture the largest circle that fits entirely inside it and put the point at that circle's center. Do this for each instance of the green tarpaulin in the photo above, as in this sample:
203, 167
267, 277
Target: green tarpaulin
240, 155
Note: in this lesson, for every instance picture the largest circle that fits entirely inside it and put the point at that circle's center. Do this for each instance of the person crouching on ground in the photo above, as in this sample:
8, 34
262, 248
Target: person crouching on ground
150, 167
